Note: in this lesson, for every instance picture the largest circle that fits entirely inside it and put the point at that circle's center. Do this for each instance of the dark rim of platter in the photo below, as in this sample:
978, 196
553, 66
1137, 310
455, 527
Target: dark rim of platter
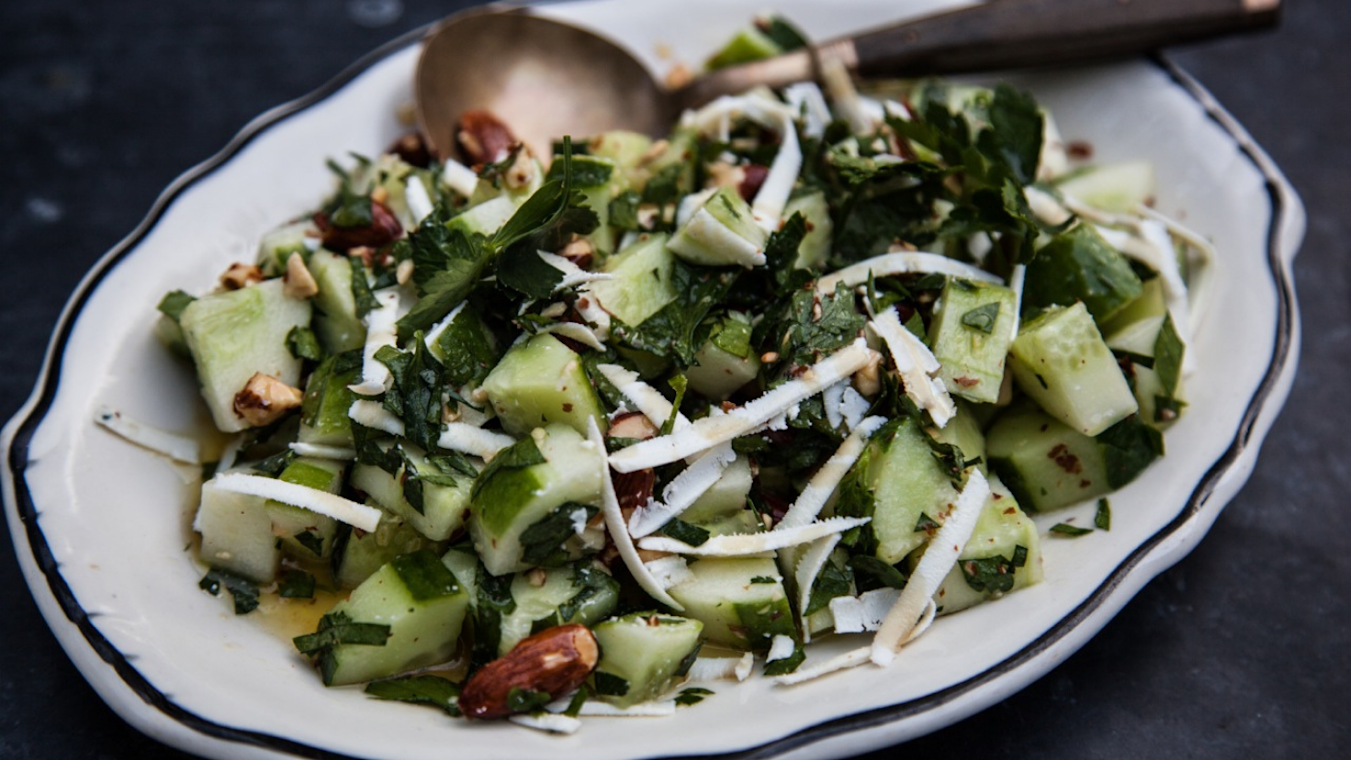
65, 598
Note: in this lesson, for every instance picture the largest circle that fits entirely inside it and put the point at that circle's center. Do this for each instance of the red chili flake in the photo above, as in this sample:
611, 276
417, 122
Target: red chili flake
1080, 150
1067, 461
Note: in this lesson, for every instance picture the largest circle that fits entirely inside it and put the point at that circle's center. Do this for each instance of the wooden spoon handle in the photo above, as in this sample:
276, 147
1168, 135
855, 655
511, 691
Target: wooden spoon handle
1017, 33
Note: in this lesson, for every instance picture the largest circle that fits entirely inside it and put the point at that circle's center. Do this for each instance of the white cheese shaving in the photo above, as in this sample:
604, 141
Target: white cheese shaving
588, 306
770, 199
690, 205
470, 439
547, 721
742, 671
907, 262
180, 448
809, 566
864, 612
320, 451
714, 668
317, 501
916, 365
812, 670
939, 558
670, 571
713, 430
840, 86
459, 177
742, 544
380, 332
373, 415
853, 406
1046, 207
831, 398
781, 647
419, 202
813, 498
572, 274
683, 490
655, 709
1200, 274
808, 101
1016, 282
614, 522
230, 453
647, 399
578, 332
731, 247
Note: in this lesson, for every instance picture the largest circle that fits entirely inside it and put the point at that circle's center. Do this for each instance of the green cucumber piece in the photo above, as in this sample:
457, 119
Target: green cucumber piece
323, 412
726, 361
722, 232
749, 44
970, 335
584, 594
233, 335
542, 381
444, 507
237, 534
964, 432
278, 245
1151, 304
485, 218
1078, 265
1045, 464
360, 554
508, 500
1060, 360
1116, 187
986, 568
642, 655
727, 496
335, 321
592, 176
424, 607
304, 534
815, 248
640, 281
626, 149
740, 600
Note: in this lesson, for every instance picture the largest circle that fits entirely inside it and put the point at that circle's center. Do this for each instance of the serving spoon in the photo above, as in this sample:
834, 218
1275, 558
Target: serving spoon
546, 78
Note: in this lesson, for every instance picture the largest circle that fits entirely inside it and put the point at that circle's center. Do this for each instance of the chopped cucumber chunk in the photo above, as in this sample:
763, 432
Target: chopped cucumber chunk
541, 381
740, 601
971, 332
642, 655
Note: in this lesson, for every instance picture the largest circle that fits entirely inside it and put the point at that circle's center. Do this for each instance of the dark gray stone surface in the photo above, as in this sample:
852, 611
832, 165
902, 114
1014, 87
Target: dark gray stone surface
1241, 650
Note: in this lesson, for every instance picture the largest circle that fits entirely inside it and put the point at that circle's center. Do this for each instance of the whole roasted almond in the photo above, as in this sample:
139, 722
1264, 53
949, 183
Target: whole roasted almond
554, 661
483, 138
383, 229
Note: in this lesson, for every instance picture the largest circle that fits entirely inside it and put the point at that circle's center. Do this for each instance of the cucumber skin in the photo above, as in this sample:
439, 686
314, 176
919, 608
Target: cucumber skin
971, 361
424, 607
648, 657
540, 382
237, 333
1060, 361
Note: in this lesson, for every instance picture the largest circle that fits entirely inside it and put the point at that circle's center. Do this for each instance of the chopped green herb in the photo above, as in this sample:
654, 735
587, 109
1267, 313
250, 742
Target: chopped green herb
609, 684
686, 532
419, 690
982, 318
691, 696
521, 700
244, 592
1102, 519
1070, 531
763, 579
295, 584
173, 303
337, 628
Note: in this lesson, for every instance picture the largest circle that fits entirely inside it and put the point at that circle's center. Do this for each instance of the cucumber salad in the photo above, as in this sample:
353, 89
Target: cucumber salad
586, 429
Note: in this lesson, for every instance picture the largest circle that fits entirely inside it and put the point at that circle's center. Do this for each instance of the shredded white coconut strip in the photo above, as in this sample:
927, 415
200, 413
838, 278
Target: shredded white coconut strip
939, 558
781, 647
419, 202
459, 177
809, 566
546, 721
813, 498
647, 399
907, 262
742, 544
180, 448
683, 490
578, 332
813, 670
713, 430
317, 501
320, 451
572, 274
373, 415
614, 522
380, 332
470, 439
916, 365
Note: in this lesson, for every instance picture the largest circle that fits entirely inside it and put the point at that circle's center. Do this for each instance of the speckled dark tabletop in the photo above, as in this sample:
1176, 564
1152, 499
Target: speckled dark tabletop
1241, 650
